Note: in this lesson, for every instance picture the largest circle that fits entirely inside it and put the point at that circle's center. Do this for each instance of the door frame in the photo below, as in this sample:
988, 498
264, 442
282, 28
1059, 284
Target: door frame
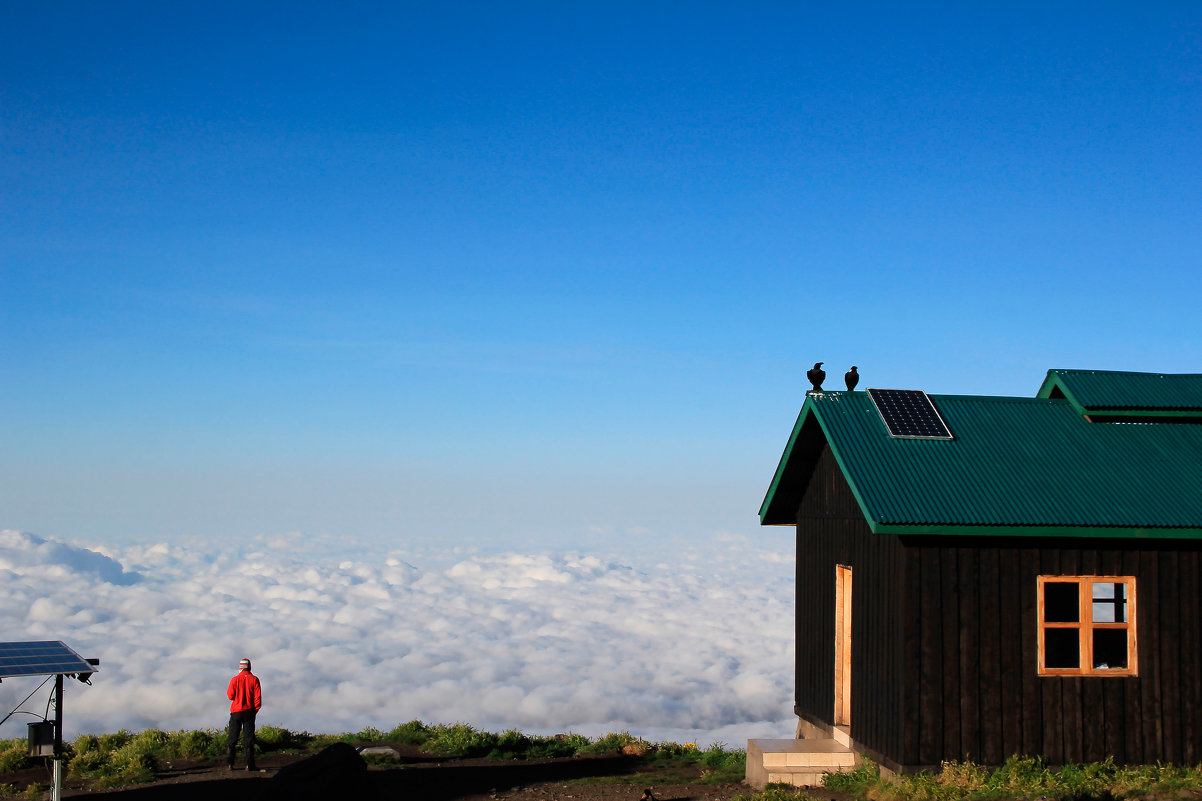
842, 713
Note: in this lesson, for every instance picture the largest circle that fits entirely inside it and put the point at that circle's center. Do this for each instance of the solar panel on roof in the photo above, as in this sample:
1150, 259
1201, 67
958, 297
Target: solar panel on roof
909, 413
47, 658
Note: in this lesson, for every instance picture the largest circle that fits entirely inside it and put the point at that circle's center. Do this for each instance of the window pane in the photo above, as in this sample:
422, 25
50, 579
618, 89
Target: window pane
1110, 648
1062, 648
1060, 602
1109, 602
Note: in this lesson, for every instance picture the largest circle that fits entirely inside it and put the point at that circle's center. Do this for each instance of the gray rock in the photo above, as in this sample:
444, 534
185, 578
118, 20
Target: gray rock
378, 750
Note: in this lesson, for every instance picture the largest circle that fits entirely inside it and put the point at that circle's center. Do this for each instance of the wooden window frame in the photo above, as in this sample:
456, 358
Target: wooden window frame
1086, 626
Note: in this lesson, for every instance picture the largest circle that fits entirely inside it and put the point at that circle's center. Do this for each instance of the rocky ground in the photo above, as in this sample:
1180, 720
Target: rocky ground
603, 778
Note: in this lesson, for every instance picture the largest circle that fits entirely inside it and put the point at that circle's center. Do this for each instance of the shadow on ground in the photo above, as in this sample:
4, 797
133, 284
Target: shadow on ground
457, 781
430, 782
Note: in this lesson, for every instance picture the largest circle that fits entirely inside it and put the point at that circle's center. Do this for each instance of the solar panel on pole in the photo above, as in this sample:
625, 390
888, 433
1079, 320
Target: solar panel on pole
46, 658
909, 414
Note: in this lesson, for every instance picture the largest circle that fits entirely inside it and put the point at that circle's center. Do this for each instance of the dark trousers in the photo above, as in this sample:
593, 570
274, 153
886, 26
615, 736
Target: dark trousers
242, 722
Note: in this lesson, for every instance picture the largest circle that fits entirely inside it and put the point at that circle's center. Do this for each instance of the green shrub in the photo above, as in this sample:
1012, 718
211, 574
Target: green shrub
369, 735
1021, 777
33, 792
722, 766
274, 738
116, 760
195, 744
381, 760
560, 745
412, 733
670, 750
87, 765
89, 758
511, 744
615, 741
859, 782
459, 740
716, 756
85, 743
151, 743
102, 742
1163, 779
321, 741
122, 758
719, 764
13, 755
776, 792
130, 764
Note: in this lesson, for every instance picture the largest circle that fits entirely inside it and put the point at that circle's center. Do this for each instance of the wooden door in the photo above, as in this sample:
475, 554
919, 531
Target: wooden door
842, 645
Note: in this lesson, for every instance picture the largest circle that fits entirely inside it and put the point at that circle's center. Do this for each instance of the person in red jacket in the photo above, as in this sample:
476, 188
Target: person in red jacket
246, 696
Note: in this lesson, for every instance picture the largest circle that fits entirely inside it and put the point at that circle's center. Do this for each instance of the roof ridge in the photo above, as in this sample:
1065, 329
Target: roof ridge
1017, 463
995, 398
1078, 370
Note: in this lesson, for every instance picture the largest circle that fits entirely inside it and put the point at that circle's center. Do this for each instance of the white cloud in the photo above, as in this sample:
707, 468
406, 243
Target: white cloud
695, 647
35, 556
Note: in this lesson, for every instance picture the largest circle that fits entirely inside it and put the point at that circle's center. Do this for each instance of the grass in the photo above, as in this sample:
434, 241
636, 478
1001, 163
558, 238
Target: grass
777, 792
1018, 779
672, 763
124, 758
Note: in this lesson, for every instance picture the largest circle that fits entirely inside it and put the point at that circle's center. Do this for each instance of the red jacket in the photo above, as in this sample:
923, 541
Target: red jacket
244, 692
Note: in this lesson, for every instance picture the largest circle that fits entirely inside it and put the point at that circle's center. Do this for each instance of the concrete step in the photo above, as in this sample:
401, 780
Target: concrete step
800, 763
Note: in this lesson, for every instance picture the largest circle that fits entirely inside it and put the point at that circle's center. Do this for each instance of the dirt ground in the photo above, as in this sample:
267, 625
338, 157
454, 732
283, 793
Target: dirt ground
603, 778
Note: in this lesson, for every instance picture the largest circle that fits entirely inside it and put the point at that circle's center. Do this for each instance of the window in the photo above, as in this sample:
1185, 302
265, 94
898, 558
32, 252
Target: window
1087, 626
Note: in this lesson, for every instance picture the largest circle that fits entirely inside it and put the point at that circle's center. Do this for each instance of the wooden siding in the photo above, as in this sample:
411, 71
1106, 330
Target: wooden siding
944, 642
831, 531
993, 704
977, 624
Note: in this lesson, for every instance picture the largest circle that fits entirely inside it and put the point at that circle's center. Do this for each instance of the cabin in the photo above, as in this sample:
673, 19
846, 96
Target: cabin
979, 577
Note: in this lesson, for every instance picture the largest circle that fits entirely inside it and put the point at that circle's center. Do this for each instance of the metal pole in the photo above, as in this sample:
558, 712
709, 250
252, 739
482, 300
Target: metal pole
56, 792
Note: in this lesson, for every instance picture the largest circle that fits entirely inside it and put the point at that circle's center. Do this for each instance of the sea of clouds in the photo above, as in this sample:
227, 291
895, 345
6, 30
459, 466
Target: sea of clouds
690, 643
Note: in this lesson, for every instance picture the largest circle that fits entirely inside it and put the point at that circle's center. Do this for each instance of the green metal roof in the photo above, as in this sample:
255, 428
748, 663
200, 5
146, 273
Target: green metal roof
1107, 393
1016, 466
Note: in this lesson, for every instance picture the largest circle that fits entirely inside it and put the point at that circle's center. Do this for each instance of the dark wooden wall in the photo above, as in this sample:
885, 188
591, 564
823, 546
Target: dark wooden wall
944, 642
831, 531
972, 690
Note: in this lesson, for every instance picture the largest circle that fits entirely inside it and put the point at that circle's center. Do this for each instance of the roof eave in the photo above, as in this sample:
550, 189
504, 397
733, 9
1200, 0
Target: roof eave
1124, 413
1053, 382
768, 515
1107, 532
1107, 415
771, 512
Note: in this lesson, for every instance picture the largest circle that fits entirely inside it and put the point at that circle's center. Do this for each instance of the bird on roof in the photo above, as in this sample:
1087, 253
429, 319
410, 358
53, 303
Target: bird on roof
816, 375
851, 378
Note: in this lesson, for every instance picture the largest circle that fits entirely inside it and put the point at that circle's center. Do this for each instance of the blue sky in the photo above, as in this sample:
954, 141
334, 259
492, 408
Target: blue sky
509, 274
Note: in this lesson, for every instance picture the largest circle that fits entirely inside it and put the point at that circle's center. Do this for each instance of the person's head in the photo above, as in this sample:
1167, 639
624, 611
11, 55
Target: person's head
244, 664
